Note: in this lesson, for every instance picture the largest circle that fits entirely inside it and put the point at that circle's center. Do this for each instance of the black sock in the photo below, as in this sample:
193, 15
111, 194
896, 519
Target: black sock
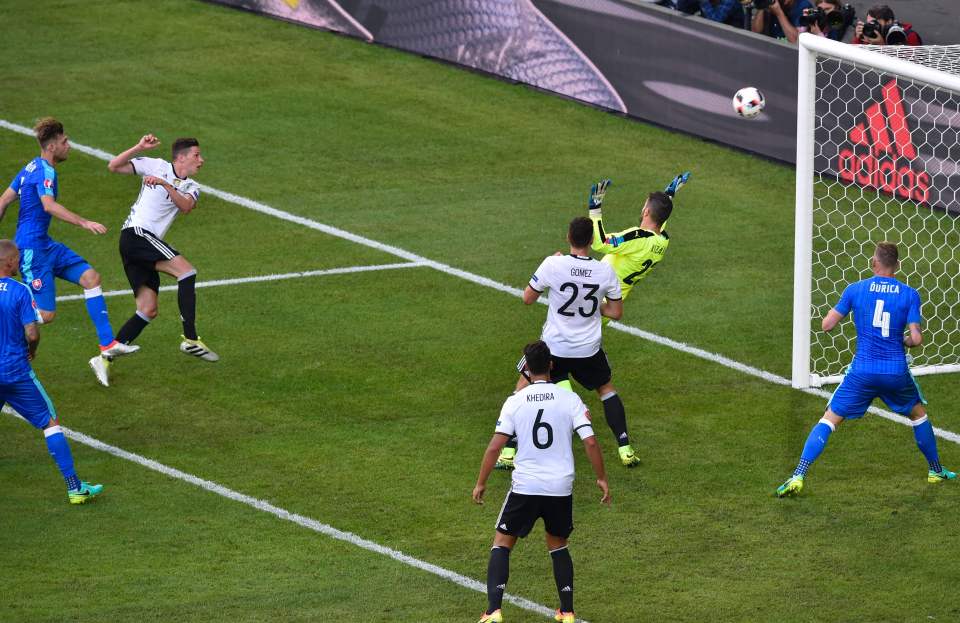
512, 443
563, 574
187, 299
498, 571
132, 328
616, 417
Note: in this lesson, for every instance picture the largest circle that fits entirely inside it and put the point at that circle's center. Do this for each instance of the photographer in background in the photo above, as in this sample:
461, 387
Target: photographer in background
882, 28
779, 18
829, 19
728, 12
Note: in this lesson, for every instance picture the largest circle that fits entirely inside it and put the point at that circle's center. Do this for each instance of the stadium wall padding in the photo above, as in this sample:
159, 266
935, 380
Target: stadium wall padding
662, 66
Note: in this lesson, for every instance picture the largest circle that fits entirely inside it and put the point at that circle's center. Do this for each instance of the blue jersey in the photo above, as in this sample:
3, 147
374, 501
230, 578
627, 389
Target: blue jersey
16, 310
33, 181
882, 308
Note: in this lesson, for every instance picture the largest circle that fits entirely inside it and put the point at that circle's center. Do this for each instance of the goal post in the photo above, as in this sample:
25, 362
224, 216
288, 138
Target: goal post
878, 158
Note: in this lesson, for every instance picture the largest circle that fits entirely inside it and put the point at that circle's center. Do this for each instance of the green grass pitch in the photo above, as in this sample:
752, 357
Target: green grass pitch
364, 401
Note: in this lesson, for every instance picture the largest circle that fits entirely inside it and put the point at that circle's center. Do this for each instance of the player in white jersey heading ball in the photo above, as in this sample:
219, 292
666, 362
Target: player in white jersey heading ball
165, 192
543, 418
581, 290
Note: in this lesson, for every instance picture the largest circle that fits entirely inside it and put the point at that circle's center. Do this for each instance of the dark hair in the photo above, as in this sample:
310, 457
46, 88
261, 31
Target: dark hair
881, 11
580, 232
887, 254
46, 130
537, 356
183, 144
661, 205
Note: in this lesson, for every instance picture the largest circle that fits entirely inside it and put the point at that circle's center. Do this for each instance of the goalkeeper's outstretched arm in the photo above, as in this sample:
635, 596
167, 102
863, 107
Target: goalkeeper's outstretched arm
595, 206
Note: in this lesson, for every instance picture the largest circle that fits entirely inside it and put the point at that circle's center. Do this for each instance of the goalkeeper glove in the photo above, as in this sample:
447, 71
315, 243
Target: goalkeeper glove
677, 183
597, 191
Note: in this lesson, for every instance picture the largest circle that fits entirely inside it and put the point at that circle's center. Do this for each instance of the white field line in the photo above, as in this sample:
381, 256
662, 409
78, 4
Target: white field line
256, 206
468, 276
262, 278
300, 520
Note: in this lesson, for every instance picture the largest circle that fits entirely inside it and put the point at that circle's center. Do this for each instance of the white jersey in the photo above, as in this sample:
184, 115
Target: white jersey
577, 287
154, 210
544, 417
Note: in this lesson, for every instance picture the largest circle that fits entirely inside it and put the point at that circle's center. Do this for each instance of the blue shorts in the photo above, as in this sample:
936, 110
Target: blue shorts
40, 265
858, 389
29, 399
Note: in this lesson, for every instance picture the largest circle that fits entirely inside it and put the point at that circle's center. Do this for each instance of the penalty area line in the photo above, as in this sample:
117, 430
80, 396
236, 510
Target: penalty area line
264, 278
300, 520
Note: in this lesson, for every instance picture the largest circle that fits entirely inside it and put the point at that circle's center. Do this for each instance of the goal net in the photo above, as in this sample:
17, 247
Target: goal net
878, 158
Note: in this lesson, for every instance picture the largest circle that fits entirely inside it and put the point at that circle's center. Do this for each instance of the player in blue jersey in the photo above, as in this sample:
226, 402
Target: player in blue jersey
883, 308
19, 386
43, 258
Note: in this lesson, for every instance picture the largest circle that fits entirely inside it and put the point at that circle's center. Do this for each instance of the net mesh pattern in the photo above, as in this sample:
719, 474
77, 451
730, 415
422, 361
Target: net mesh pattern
886, 167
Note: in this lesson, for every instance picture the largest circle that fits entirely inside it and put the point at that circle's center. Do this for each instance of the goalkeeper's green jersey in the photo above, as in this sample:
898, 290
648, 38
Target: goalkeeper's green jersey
632, 252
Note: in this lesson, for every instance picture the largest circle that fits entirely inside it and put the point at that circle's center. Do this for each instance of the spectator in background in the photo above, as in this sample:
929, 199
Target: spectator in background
835, 21
781, 19
728, 12
882, 28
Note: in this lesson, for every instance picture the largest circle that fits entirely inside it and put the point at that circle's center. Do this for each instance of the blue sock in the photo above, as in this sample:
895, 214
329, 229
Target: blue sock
97, 308
923, 433
816, 442
60, 451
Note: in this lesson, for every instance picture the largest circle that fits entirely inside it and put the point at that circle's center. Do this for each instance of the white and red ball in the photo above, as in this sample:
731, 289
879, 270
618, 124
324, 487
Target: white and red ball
748, 102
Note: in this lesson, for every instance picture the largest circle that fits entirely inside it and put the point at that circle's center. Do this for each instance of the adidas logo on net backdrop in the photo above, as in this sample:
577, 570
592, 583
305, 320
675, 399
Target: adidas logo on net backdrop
881, 153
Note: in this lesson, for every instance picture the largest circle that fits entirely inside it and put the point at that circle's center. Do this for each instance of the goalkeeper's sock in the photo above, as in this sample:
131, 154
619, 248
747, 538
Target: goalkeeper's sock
511, 443
498, 572
616, 417
97, 310
565, 384
60, 451
923, 433
816, 442
132, 327
187, 300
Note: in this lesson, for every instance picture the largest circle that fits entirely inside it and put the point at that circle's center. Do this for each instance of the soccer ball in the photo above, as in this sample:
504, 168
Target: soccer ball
748, 102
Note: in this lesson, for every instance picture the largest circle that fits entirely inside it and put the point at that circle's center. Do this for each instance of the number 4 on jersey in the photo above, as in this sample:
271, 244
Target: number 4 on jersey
881, 319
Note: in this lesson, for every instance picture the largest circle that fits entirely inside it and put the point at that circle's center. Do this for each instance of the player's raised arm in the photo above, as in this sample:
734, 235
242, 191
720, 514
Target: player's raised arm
121, 164
595, 207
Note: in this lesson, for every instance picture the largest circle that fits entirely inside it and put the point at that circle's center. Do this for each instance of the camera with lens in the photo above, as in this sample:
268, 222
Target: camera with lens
762, 4
893, 33
838, 19
842, 17
814, 16
871, 30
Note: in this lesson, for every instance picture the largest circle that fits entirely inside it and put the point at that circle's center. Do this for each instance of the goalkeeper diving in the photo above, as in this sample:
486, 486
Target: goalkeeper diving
633, 252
